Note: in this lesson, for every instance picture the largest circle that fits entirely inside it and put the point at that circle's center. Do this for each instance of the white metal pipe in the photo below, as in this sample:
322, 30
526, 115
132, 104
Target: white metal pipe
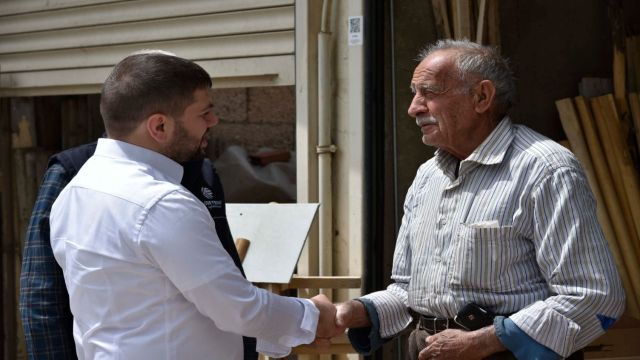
325, 148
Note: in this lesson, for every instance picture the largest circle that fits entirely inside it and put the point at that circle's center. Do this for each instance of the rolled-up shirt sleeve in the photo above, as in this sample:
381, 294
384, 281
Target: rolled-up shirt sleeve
190, 254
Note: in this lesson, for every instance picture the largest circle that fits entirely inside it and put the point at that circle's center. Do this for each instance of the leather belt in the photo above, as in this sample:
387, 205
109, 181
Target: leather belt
434, 325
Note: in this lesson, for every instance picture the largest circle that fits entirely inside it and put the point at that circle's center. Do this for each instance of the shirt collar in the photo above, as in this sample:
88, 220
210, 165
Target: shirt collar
161, 166
491, 151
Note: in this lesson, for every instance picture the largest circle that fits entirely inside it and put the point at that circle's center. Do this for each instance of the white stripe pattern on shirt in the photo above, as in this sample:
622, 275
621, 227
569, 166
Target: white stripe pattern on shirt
516, 232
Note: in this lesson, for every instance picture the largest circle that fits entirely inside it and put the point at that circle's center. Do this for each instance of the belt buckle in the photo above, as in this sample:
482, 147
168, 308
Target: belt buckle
423, 323
435, 325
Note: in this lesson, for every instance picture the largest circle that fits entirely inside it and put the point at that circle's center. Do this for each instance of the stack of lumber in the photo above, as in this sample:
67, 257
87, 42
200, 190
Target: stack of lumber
475, 20
604, 133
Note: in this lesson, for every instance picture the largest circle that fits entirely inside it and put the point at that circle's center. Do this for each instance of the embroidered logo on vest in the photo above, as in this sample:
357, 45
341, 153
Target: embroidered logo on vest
206, 192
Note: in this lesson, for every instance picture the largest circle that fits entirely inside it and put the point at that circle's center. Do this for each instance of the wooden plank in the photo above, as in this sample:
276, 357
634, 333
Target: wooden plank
619, 81
493, 23
339, 345
619, 342
325, 282
18, 212
453, 18
22, 188
481, 25
7, 278
632, 44
573, 130
23, 127
441, 17
619, 161
74, 119
624, 232
463, 23
47, 115
249, 45
42, 18
210, 25
606, 139
634, 106
623, 156
636, 62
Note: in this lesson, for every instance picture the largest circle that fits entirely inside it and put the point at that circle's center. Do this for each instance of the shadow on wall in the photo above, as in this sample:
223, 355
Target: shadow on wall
245, 182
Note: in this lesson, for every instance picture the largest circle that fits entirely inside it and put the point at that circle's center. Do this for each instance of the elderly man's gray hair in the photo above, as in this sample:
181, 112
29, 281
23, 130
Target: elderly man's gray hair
474, 62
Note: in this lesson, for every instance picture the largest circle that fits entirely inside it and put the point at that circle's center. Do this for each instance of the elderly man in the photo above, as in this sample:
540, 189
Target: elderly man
500, 254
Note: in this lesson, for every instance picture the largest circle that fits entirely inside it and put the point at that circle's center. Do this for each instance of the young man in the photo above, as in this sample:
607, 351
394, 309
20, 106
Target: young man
146, 274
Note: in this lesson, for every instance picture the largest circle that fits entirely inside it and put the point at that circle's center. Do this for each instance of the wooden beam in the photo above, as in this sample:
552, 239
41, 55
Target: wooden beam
482, 9
493, 23
620, 82
626, 165
242, 246
441, 16
634, 106
463, 28
7, 278
339, 345
636, 62
325, 282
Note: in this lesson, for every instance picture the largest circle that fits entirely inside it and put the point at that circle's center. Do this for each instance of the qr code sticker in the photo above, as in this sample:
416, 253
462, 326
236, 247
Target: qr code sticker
354, 25
355, 30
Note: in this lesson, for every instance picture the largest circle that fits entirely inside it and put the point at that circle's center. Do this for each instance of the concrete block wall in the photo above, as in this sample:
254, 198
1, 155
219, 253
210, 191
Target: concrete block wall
253, 118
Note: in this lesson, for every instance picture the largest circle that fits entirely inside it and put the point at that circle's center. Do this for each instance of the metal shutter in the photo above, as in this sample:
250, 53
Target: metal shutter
69, 46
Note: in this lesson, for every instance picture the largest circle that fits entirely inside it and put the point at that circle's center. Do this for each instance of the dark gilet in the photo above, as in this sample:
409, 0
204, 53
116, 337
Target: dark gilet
201, 179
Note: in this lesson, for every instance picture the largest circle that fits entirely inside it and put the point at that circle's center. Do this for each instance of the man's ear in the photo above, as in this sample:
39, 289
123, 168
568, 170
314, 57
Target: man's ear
484, 95
158, 127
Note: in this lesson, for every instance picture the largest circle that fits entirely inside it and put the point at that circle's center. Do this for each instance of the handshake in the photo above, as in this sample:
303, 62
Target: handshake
334, 319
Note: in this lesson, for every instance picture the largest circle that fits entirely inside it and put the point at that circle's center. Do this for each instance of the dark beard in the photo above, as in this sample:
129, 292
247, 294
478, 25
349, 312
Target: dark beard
179, 151
200, 154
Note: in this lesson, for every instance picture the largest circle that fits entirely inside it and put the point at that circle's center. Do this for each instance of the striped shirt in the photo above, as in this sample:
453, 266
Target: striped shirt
516, 231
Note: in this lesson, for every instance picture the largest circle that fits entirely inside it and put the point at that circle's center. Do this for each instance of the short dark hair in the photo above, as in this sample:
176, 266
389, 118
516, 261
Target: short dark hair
146, 83
475, 60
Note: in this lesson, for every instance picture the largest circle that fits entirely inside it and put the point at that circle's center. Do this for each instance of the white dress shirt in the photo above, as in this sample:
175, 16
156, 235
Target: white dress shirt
516, 231
146, 273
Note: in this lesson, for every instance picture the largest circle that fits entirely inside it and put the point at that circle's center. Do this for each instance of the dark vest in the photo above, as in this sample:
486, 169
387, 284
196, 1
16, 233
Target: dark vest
201, 179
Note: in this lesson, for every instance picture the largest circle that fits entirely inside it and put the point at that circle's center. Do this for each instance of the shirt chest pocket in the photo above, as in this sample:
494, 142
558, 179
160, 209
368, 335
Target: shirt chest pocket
482, 256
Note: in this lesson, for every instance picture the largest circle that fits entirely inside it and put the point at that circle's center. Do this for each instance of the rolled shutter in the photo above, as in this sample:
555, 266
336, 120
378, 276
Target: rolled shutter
69, 46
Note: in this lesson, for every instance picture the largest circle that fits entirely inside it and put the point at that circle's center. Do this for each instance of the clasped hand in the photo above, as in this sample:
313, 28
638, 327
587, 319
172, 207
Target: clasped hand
328, 325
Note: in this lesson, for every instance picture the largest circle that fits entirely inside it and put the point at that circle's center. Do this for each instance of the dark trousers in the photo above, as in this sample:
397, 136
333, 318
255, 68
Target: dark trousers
417, 343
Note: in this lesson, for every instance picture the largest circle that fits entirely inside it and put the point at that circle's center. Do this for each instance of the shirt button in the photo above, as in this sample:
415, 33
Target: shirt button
437, 259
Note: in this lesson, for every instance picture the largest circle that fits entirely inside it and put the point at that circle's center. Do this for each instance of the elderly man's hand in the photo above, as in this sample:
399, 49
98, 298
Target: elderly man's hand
458, 344
327, 325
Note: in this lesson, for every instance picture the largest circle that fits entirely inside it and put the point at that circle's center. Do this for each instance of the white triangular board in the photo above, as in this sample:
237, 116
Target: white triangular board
276, 232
